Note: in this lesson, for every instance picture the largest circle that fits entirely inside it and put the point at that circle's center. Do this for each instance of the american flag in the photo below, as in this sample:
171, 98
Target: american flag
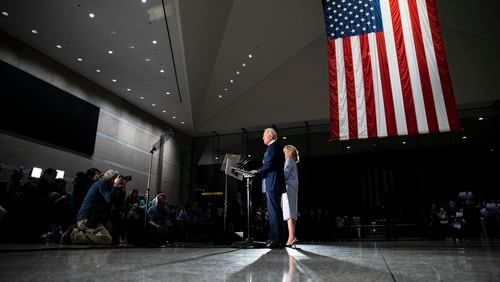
387, 68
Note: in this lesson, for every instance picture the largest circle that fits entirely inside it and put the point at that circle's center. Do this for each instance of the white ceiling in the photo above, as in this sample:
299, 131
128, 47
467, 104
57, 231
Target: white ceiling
200, 47
205, 44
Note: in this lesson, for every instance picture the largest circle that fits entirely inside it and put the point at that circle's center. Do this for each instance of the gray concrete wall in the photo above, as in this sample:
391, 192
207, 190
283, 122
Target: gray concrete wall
124, 138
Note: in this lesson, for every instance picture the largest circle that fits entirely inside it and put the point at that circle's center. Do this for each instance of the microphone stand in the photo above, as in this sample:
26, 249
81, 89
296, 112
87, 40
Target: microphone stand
149, 185
163, 138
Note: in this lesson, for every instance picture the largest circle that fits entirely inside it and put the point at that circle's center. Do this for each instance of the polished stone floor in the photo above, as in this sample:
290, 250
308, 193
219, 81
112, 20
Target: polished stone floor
344, 261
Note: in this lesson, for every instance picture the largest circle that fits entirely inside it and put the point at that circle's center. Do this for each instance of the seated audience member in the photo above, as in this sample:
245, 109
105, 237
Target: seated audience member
95, 210
159, 223
81, 186
134, 225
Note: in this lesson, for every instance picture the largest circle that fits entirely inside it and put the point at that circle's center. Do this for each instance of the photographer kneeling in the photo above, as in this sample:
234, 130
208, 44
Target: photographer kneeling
94, 213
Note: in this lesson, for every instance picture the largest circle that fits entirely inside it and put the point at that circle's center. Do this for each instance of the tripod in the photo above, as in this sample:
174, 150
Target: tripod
163, 138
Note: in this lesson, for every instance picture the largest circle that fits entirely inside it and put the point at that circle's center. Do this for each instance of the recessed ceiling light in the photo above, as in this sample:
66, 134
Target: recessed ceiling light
147, 59
114, 80
128, 89
220, 96
481, 118
225, 89
182, 122
59, 46
464, 137
91, 15
284, 137
231, 81
243, 64
237, 72
154, 105
98, 70
144, 1
164, 111
404, 142
5, 13
250, 56
168, 93
110, 52
348, 147
131, 46
79, 59
154, 41
142, 98
174, 117
34, 31
162, 71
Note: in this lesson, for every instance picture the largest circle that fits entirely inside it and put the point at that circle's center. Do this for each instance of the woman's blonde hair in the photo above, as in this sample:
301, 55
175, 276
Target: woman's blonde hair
293, 152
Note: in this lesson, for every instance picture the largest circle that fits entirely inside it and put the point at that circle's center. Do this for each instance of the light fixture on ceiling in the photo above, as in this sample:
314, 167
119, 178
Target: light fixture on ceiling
34, 31
142, 98
162, 71
250, 56
404, 142
144, 1
284, 137
348, 147
168, 93
243, 64
79, 59
237, 72
220, 96
59, 46
98, 70
91, 15
147, 59
128, 89
112, 32
5, 13
182, 122
481, 118
225, 89
110, 52
114, 80
464, 137
154, 41
164, 111
131, 47
153, 105
174, 117
231, 81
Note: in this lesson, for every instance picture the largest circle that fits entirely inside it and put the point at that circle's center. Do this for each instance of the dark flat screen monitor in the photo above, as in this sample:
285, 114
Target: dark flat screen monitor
33, 108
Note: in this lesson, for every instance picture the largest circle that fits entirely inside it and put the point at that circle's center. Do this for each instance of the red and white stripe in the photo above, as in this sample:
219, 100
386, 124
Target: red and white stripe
394, 82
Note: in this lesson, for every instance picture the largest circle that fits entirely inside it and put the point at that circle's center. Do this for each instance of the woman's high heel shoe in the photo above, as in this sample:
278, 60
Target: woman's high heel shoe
292, 245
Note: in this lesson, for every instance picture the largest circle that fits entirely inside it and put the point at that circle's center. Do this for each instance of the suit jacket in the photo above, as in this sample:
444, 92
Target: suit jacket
272, 168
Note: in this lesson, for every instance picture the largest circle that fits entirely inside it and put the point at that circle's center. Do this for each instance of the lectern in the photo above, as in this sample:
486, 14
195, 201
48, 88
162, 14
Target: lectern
248, 242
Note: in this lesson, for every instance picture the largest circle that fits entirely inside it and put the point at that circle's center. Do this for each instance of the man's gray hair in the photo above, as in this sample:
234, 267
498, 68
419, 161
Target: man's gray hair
109, 174
273, 132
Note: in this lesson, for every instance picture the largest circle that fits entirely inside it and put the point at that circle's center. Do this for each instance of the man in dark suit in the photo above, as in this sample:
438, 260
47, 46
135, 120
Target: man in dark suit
273, 184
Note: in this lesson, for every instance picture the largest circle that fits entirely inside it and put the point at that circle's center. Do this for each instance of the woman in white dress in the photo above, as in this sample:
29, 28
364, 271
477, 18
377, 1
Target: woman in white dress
289, 199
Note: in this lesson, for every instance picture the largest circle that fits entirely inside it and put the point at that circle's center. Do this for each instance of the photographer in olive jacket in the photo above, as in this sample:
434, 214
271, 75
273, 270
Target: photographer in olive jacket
94, 214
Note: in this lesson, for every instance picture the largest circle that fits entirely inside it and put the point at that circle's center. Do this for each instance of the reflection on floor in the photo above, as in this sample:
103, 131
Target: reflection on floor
346, 261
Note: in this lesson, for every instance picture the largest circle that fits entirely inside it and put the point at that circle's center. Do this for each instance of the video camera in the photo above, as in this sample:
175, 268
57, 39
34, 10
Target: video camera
127, 178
